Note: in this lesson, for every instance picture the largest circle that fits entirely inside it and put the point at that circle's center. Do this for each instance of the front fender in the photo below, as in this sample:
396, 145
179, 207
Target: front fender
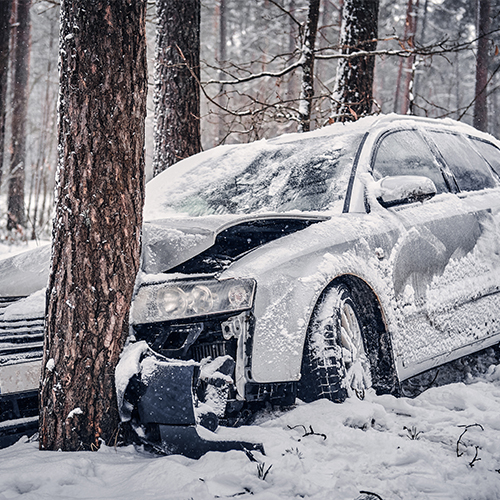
289, 283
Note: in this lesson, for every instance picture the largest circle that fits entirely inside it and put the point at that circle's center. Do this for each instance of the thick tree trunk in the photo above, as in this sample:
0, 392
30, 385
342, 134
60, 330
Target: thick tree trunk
177, 72
16, 215
5, 10
97, 226
353, 95
483, 27
307, 87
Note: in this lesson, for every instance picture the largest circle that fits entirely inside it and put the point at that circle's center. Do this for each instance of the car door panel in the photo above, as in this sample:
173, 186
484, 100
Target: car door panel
441, 242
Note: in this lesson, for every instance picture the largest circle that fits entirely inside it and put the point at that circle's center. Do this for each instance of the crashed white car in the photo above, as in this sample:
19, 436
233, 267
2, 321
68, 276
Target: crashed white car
311, 265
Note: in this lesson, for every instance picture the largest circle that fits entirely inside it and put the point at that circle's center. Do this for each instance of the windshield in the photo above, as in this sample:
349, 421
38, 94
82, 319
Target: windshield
279, 175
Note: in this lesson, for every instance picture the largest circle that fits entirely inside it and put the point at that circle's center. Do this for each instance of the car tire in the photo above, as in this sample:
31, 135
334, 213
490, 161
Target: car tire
341, 355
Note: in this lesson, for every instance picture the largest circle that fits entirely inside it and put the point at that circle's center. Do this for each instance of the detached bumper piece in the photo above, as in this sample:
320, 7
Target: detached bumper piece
188, 442
166, 401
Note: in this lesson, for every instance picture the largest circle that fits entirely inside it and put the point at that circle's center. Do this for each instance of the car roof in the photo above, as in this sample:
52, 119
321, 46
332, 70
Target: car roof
381, 122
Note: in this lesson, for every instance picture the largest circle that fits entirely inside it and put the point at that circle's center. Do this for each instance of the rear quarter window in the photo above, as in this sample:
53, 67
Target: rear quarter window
490, 153
470, 170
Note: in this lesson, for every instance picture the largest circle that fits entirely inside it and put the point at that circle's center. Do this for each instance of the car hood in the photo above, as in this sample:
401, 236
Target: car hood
25, 273
211, 243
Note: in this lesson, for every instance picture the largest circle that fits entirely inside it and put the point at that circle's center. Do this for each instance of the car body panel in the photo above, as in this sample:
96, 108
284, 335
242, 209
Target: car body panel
423, 243
24, 376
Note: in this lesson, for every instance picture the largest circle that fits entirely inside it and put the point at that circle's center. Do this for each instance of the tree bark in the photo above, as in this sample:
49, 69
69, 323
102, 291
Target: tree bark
480, 104
16, 215
353, 95
5, 10
177, 73
307, 87
97, 225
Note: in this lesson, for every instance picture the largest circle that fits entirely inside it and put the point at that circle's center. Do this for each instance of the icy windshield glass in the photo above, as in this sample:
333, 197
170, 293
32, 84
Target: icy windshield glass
305, 174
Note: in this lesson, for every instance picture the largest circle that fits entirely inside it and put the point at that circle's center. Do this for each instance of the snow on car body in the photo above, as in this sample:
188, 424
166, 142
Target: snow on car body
357, 255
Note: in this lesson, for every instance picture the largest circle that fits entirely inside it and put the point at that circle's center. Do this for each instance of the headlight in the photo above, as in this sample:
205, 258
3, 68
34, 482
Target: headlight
184, 299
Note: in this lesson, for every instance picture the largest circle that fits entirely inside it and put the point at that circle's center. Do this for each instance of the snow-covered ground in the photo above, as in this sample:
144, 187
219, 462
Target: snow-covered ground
443, 444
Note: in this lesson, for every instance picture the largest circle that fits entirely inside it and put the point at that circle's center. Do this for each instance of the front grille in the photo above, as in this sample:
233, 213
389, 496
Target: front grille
20, 339
172, 339
213, 350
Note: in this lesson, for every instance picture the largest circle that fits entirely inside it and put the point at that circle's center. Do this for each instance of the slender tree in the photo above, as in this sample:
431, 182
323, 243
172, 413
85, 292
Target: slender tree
405, 73
177, 73
307, 89
16, 215
353, 94
5, 10
96, 235
483, 27
222, 6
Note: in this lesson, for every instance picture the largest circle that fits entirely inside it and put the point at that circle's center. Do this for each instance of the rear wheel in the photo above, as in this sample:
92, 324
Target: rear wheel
346, 346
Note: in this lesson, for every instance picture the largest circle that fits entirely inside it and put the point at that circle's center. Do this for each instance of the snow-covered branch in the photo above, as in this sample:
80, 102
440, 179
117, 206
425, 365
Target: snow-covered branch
440, 48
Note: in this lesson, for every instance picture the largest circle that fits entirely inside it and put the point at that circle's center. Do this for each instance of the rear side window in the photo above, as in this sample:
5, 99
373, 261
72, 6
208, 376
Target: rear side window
471, 172
404, 152
490, 152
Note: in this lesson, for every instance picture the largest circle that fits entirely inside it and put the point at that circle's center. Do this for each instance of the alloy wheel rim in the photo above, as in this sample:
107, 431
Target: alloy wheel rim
358, 378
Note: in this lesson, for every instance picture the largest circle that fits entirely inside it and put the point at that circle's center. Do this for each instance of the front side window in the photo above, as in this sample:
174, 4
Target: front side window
471, 172
404, 152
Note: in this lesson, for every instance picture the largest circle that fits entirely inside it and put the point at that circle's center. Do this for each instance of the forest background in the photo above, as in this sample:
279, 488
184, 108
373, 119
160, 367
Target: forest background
239, 39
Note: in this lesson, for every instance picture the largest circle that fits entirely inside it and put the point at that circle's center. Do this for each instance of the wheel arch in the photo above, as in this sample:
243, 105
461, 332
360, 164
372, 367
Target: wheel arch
376, 336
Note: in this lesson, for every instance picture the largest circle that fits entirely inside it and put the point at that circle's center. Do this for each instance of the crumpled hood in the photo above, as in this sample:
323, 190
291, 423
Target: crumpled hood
168, 243
25, 273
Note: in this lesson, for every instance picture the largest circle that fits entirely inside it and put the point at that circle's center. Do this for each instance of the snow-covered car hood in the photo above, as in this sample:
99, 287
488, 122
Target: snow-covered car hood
168, 243
25, 273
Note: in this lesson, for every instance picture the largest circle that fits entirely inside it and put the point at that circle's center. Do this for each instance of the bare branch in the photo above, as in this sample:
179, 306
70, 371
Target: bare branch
287, 12
256, 76
439, 48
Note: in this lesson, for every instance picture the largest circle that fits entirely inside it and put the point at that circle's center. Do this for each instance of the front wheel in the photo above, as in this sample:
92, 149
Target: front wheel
357, 366
346, 346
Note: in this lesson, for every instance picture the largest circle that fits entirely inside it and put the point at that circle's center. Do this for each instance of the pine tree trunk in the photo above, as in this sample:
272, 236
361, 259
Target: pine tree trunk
16, 215
5, 10
97, 226
353, 95
291, 87
307, 87
177, 72
483, 27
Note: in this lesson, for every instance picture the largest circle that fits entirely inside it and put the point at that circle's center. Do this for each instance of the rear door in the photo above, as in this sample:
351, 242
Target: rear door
436, 248
475, 164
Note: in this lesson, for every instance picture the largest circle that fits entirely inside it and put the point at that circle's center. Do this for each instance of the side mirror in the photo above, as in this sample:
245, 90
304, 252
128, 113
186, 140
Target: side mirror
403, 189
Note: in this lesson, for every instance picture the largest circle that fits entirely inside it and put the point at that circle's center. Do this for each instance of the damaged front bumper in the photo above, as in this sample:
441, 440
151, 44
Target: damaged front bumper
157, 396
